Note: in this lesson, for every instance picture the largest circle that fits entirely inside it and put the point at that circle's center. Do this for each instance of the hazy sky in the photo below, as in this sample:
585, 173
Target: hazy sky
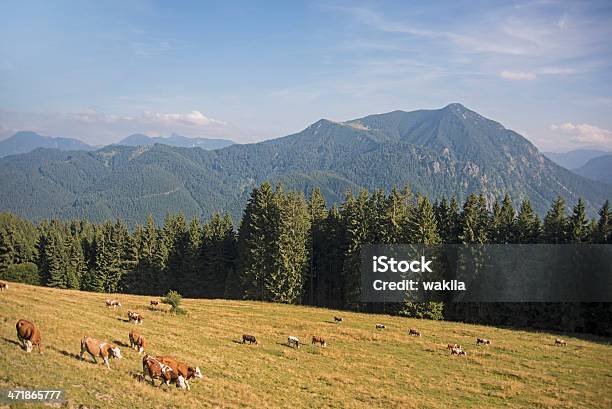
101, 70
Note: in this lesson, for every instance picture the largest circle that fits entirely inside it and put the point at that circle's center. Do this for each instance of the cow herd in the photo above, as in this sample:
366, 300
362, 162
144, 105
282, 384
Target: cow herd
167, 369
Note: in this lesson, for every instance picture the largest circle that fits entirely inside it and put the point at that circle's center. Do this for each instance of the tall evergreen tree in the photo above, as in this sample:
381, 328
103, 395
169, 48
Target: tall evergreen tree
528, 226
578, 224
354, 215
317, 209
604, 225
556, 223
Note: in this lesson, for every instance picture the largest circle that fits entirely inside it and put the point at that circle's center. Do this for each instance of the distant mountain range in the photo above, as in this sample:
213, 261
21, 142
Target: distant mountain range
599, 169
451, 151
176, 140
576, 158
26, 141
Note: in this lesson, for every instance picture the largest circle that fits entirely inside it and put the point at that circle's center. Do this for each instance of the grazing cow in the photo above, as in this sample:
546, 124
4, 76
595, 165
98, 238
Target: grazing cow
28, 335
3, 286
134, 317
291, 341
414, 332
137, 341
458, 351
249, 338
154, 303
380, 326
101, 349
181, 372
482, 341
338, 319
157, 370
453, 346
318, 340
113, 303
560, 342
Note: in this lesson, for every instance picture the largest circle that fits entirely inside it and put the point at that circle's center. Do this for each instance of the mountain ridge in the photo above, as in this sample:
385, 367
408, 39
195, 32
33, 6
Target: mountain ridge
26, 141
441, 153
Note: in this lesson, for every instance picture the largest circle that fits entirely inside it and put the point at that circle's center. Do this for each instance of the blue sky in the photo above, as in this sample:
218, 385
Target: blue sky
99, 71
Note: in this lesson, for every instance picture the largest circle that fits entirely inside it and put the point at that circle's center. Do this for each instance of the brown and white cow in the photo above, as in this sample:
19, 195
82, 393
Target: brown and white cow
414, 332
28, 335
562, 342
134, 317
3, 286
318, 340
458, 351
482, 341
380, 326
293, 341
181, 372
101, 349
137, 341
157, 370
112, 303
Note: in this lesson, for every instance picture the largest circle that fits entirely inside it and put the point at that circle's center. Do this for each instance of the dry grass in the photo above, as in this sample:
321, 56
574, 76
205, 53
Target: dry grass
361, 367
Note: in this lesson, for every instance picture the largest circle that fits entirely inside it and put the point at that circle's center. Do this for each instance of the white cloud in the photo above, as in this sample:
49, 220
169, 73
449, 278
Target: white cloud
518, 75
584, 133
191, 118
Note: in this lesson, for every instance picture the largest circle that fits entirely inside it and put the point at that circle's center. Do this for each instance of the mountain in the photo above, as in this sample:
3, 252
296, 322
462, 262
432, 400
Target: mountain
443, 152
599, 169
576, 158
26, 141
176, 140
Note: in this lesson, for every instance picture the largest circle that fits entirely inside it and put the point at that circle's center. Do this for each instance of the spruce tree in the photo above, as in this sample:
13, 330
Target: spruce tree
604, 224
556, 223
528, 226
578, 224
354, 216
317, 209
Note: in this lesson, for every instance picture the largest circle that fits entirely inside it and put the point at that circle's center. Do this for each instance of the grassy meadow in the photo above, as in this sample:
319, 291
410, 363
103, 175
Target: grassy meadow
360, 367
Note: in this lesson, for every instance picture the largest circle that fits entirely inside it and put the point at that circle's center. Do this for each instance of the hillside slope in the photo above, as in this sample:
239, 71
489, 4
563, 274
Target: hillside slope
445, 152
361, 367
599, 169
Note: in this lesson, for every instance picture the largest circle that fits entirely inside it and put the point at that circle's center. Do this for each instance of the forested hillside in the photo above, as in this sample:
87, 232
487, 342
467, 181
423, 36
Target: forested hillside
292, 250
447, 152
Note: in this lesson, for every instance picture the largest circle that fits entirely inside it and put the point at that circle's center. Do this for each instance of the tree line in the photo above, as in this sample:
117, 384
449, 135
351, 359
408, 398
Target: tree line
291, 249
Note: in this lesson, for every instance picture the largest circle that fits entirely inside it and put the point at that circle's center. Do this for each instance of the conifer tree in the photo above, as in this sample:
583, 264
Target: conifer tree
354, 216
604, 225
556, 223
256, 238
317, 209
528, 226
578, 224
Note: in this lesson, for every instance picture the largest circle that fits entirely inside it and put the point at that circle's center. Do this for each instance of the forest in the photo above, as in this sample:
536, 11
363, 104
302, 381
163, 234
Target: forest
290, 248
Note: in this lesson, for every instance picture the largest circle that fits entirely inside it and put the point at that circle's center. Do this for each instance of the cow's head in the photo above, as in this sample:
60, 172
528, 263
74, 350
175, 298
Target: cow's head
116, 352
195, 371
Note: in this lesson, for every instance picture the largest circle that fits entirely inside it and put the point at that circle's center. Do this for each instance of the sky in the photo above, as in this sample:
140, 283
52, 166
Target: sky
101, 70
